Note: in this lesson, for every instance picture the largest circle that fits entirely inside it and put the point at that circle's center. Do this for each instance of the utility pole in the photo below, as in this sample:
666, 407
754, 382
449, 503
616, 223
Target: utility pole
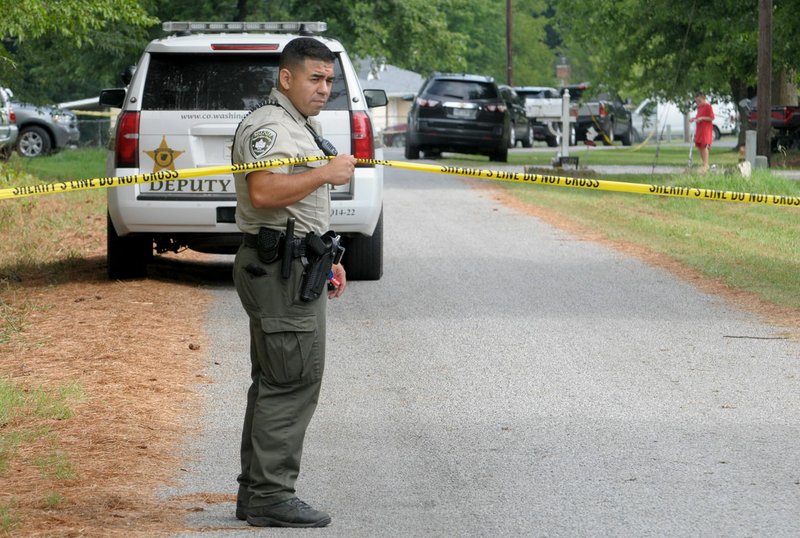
764, 103
509, 65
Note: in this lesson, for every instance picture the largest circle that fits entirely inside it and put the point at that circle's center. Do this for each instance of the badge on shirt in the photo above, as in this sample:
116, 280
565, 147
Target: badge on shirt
261, 142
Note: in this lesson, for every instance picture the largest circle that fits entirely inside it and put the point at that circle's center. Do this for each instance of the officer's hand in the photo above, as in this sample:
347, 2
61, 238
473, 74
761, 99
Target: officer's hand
340, 169
338, 272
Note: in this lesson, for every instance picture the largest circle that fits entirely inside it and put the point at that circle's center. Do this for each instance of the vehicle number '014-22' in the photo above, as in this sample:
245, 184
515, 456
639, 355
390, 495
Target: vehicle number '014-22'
343, 212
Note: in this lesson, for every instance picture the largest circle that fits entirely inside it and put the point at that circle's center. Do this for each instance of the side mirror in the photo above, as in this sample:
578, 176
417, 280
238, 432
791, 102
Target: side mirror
114, 97
376, 98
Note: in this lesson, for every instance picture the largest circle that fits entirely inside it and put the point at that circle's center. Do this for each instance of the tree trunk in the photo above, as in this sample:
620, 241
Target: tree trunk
784, 91
241, 10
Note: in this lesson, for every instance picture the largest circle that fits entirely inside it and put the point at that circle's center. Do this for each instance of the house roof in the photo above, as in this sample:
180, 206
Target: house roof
374, 73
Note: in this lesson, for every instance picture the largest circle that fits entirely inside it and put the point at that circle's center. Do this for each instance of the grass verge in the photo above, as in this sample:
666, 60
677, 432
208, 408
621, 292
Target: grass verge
24, 412
750, 247
67, 164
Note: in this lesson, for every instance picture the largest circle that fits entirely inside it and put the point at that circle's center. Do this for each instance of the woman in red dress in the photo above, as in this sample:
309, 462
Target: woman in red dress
704, 130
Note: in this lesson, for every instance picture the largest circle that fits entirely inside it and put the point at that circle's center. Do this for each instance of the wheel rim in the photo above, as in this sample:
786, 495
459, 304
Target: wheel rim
30, 144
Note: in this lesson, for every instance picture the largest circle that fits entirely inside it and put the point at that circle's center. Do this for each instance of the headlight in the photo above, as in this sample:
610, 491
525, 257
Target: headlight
63, 117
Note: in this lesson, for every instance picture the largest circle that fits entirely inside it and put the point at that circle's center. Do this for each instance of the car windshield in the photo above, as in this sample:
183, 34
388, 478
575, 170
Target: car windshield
463, 89
219, 82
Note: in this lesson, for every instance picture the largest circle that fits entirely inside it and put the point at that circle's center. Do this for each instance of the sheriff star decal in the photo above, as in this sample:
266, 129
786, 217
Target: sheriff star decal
261, 142
164, 156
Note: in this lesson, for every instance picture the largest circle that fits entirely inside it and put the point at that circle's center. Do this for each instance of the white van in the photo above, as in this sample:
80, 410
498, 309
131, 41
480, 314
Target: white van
664, 120
180, 110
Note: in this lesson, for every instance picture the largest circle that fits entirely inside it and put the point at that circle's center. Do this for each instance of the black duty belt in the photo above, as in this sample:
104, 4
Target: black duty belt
298, 245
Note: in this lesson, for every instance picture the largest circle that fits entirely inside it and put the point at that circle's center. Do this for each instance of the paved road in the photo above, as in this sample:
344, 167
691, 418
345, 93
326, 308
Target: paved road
506, 379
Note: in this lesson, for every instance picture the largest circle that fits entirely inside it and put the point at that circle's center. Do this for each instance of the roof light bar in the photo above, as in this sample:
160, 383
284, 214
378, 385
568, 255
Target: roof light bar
247, 26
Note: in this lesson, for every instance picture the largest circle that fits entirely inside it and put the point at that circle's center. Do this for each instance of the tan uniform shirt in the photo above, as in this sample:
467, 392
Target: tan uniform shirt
279, 132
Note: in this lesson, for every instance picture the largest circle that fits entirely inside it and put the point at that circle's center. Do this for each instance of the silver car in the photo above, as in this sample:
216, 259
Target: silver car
8, 126
44, 129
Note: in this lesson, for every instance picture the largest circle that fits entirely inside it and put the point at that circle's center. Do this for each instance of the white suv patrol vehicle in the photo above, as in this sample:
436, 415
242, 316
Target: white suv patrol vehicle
180, 110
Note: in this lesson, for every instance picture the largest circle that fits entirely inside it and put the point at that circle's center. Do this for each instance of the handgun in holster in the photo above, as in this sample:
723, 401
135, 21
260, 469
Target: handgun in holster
321, 252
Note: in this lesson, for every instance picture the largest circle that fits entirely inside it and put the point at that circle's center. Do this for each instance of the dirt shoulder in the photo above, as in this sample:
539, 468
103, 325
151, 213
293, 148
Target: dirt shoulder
134, 349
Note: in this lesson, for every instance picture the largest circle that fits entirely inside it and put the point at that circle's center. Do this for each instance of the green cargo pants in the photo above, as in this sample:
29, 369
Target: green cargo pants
287, 355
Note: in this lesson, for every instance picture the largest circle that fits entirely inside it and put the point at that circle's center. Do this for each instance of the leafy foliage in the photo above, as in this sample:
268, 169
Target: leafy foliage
670, 48
70, 49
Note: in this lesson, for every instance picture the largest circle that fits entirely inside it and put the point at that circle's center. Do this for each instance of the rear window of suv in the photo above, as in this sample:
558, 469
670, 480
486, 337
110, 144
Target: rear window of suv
219, 82
463, 89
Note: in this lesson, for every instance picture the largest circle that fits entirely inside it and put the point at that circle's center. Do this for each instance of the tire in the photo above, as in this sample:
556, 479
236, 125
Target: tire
500, 156
512, 137
717, 133
608, 139
627, 138
412, 151
33, 141
551, 141
527, 142
363, 256
5, 153
127, 257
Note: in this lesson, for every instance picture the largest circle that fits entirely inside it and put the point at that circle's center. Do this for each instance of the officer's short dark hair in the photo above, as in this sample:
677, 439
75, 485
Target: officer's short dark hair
300, 49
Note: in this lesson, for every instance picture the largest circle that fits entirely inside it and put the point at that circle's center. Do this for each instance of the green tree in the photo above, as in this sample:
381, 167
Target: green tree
533, 57
57, 50
669, 48
72, 48
73, 19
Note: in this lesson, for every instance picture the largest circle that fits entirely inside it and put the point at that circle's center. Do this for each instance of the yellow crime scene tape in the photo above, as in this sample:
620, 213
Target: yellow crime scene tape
95, 113
494, 175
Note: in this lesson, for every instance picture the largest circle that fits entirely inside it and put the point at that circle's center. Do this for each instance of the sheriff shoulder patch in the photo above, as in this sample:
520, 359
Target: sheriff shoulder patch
261, 142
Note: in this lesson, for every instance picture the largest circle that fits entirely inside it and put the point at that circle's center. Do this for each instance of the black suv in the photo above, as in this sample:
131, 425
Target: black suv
521, 128
460, 113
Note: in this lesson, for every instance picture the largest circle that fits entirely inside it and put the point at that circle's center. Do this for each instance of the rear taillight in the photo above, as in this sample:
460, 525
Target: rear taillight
127, 153
362, 143
12, 116
495, 107
427, 103
601, 111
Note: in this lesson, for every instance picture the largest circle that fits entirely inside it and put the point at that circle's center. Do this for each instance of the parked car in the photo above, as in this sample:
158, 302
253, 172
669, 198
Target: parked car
784, 120
395, 135
520, 129
8, 125
461, 113
726, 119
665, 119
180, 110
605, 117
44, 129
541, 102
543, 106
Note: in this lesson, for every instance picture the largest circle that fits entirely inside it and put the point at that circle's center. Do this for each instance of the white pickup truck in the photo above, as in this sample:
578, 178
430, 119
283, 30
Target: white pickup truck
543, 106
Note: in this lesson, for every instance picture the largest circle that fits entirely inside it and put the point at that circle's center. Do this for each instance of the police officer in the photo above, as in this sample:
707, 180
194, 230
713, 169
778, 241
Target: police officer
287, 334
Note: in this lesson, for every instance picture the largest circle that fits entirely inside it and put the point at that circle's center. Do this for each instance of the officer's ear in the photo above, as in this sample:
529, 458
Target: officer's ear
284, 79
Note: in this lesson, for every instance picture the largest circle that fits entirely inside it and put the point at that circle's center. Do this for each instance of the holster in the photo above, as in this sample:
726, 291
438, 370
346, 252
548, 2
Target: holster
321, 252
